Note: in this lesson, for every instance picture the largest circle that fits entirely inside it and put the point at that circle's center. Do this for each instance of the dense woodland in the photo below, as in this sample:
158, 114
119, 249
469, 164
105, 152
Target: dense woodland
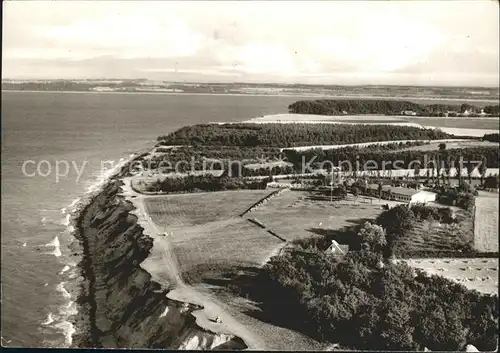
378, 154
491, 137
364, 302
362, 305
291, 135
385, 107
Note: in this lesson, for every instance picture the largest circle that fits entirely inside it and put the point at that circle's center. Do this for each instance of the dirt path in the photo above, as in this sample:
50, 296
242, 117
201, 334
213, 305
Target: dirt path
163, 267
486, 222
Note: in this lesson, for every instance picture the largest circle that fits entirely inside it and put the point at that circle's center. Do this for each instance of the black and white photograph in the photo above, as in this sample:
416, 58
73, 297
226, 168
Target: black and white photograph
250, 175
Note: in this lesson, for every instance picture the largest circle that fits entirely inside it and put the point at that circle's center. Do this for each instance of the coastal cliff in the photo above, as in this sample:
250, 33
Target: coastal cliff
119, 303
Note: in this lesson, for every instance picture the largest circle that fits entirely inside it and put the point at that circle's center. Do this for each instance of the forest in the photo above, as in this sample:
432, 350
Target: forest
292, 135
362, 304
491, 137
383, 107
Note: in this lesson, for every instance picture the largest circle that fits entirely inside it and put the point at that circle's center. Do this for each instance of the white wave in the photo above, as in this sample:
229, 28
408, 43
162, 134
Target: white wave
105, 176
67, 220
49, 320
69, 310
60, 288
131, 155
70, 229
46, 284
54, 242
68, 330
73, 273
57, 246
74, 202
24, 244
63, 210
46, 221
64, 269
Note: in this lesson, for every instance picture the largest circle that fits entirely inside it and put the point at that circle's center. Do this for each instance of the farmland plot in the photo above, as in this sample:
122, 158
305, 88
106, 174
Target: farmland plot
293, 215
210, 249
480, 274
486, 222
434, 239
184, 210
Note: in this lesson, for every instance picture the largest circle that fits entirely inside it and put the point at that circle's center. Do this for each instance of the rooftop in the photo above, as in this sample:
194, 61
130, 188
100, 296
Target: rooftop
404, 191
375, 187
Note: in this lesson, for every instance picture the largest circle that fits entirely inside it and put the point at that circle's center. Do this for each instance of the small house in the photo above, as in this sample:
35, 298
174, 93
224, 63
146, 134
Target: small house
275, 184
409, 112
373, 190
337, 249
403, 194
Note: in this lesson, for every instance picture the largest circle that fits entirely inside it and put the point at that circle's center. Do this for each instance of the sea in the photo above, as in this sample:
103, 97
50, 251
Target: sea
69, 143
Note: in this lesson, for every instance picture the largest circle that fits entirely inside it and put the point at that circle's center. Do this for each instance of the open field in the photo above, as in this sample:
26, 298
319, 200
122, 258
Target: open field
486, 222
292, 215
184, 210
480, 274
209, 250
209, 238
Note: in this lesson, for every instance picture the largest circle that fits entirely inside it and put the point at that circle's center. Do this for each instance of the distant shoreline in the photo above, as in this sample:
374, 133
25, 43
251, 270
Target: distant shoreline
272, 95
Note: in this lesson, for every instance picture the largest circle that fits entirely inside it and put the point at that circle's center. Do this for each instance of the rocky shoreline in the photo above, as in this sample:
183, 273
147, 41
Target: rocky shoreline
119, 305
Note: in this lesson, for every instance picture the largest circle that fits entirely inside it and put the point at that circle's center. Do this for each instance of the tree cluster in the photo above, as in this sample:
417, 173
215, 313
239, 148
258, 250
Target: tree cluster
363, 303
455, 197
208, 182
400, 220
491, 182
290, 135
385, 107
440, 214
491, 137
494, 110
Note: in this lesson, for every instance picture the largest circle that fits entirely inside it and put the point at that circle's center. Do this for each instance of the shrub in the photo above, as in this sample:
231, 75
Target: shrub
396, 221
373, 235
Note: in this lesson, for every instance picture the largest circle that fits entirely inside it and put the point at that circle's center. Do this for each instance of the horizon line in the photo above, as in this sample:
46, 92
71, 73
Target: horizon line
251, 83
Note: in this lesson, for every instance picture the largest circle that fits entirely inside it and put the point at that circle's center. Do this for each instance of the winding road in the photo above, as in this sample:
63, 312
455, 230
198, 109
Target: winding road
163, 267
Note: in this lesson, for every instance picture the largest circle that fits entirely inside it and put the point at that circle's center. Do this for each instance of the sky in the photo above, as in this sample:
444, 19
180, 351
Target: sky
327, 42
